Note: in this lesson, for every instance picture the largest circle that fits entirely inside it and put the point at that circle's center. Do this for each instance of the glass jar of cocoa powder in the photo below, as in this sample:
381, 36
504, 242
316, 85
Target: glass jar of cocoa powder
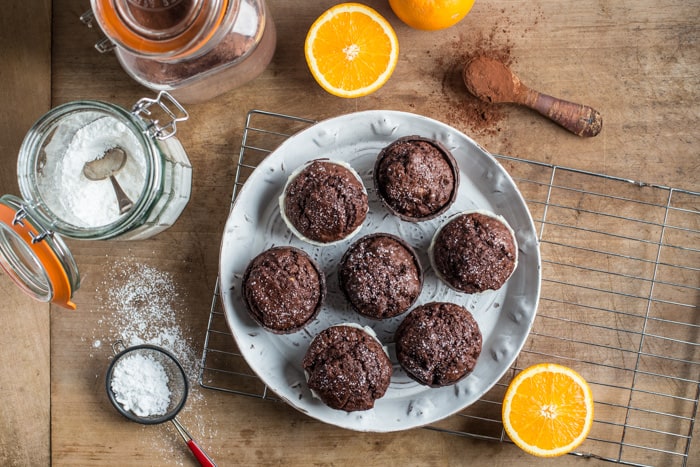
194, 49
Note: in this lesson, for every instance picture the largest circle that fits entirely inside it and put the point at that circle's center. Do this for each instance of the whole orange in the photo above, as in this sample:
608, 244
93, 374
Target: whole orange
431, 15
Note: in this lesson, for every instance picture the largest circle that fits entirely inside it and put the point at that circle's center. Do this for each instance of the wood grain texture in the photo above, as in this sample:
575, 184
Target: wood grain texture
25, 94
635, 62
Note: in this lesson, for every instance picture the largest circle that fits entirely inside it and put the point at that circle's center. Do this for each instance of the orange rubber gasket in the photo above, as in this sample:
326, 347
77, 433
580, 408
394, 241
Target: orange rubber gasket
117, 30
62, 290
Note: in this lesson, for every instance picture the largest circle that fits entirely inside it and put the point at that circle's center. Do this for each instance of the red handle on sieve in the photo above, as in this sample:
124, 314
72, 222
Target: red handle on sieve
199, 454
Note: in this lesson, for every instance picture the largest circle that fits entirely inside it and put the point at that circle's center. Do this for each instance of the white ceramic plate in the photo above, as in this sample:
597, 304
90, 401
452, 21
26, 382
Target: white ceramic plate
505, 316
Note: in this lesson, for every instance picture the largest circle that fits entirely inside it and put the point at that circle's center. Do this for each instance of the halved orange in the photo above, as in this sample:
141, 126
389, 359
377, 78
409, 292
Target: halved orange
351, 50
548, 410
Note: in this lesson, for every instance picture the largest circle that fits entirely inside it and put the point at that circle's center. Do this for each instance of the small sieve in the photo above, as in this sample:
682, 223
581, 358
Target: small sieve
177, 385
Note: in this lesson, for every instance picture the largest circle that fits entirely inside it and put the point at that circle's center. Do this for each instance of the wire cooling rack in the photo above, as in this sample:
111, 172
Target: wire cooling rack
619, 304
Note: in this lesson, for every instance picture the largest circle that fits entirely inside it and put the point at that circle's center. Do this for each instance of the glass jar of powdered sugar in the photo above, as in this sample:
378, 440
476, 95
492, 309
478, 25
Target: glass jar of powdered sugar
91, 170
154, 172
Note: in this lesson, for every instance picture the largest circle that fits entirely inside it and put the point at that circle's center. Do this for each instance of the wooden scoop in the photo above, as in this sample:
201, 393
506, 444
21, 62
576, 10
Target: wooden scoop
491, 81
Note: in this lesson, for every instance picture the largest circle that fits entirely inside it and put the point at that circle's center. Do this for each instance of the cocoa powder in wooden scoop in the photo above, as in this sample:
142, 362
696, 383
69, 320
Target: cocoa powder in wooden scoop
491, 81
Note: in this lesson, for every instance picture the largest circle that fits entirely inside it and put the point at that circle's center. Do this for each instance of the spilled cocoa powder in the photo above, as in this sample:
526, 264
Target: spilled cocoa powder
467, 112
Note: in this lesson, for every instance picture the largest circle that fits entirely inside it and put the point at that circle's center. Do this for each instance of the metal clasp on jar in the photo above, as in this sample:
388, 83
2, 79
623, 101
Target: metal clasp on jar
105, 44
18, 219
155, 128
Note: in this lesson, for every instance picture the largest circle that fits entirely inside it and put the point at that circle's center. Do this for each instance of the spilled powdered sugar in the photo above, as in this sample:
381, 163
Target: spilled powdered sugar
139, 305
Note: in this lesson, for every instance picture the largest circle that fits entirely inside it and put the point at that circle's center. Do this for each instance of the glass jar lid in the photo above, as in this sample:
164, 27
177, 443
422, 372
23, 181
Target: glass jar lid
160, 28
36, 259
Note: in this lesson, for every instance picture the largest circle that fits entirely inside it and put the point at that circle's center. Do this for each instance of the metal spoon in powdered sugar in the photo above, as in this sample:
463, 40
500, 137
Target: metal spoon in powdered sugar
111, 162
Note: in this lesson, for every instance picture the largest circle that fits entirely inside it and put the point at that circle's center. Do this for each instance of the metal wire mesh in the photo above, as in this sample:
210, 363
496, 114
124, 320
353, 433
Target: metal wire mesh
620, 288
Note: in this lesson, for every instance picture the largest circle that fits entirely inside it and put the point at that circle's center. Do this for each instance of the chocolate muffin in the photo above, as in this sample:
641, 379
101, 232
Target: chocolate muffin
380, 276
283, 289
474, 252
324, 202
347, 368
416, 178
438, 343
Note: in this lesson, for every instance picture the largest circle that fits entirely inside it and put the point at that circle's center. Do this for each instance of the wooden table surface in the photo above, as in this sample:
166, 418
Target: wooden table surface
638, 63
